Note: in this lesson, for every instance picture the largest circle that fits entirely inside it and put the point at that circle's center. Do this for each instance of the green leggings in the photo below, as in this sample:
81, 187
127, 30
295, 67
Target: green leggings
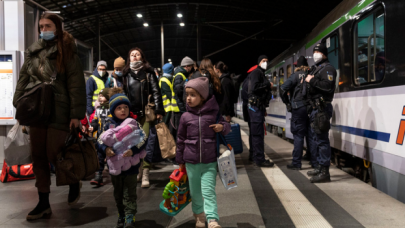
202, 180
125, 193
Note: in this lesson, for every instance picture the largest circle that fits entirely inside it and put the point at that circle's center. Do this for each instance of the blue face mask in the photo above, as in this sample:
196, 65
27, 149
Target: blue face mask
118, 73
47, 35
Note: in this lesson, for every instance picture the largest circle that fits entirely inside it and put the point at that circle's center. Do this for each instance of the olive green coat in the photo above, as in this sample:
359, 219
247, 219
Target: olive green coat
69, 87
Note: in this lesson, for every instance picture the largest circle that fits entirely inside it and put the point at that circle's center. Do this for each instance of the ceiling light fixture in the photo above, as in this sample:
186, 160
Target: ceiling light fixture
169, 60
179, 15
139, 15
182, 24
145, 24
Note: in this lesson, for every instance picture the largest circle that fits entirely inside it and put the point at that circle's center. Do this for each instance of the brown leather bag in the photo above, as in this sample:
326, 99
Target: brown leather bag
150, 111
77, 161
35, 106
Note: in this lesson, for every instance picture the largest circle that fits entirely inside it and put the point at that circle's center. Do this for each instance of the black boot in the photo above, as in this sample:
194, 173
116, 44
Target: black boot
293, 167
74, 193
120, 222
130, 221
266, 164
314, 172
322, 177
306, 156
43, 208
98, 180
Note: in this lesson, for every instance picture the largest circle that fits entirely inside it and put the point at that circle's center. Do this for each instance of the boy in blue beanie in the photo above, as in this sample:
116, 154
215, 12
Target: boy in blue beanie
166, 89
125, 183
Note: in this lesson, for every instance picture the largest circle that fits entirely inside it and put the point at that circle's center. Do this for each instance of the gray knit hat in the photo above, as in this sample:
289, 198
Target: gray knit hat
102, 63
187, 61
201, 85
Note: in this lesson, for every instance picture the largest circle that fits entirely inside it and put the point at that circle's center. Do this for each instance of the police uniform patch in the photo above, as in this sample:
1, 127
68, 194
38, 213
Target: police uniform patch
330, 77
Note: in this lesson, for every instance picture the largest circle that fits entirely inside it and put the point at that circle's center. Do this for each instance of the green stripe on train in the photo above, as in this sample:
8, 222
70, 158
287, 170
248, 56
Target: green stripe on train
361, 5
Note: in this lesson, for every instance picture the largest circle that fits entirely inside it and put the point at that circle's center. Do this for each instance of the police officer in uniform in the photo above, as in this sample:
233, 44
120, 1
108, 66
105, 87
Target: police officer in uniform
297, 106
256, 86
319, 88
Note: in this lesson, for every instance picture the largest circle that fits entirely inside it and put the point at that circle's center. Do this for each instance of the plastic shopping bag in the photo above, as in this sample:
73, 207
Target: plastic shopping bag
17, 149
226, 164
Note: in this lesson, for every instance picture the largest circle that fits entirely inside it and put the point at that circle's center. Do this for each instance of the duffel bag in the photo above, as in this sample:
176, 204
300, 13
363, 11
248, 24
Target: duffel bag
77, 161
16, 172
234, 138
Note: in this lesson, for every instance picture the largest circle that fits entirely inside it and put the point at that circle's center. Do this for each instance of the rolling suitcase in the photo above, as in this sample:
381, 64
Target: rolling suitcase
234, 138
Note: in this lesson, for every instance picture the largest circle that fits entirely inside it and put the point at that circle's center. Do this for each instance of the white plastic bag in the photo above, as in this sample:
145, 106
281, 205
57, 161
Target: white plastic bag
17, 149
227, 170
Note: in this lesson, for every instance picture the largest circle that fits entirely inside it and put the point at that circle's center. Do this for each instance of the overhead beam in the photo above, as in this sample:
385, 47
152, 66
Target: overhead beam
124, 6
235, 22
247, 38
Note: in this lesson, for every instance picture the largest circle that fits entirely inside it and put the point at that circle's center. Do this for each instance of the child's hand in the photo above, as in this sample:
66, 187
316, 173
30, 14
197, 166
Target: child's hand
109, 152
217, 127
128, 153
83, 128
182, 167
91, 129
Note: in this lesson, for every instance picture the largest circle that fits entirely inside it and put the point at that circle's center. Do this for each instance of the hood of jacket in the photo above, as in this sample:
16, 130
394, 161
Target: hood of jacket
210, 106
252, 68
225, 75
181, 69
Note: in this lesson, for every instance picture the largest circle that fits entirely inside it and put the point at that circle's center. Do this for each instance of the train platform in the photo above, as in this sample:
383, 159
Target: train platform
265, 197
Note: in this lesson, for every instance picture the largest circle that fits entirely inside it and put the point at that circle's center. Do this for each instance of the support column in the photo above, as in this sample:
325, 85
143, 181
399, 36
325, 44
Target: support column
199, 53
162, 37
2, 25
98, 38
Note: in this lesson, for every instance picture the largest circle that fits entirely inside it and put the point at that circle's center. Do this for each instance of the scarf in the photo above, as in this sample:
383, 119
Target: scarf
136, 66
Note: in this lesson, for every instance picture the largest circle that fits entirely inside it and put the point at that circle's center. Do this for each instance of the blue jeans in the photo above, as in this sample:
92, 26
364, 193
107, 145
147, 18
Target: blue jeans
299, 128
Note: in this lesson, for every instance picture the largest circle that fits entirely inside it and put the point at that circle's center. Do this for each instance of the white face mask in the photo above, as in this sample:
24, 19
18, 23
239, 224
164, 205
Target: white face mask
317, 57
101, 73
264, 65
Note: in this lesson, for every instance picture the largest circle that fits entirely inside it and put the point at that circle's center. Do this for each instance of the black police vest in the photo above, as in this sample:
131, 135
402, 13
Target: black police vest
315, 93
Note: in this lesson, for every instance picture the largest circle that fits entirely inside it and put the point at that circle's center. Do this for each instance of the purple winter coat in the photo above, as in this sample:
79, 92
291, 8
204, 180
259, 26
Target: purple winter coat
196, 141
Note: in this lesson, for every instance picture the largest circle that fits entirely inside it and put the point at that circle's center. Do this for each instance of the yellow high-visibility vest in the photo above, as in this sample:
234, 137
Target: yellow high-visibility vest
184, 77
100, 86
169, 104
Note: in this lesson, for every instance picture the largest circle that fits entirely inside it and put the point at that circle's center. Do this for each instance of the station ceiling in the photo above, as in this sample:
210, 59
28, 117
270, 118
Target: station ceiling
276, 23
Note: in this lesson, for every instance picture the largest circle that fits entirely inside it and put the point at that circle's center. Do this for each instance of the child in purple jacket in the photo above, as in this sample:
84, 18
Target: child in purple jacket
196, 149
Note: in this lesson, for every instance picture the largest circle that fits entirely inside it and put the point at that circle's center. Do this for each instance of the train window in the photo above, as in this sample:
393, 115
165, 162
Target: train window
333, 51
289, 71
275, 85
370, 48
281, 76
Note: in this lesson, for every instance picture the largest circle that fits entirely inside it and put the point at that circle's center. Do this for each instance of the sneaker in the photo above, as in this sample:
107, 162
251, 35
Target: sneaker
213, 223
265, 164
200, 220
120, 222
293, 167
130, 221
98, 180
74, 193
42, 209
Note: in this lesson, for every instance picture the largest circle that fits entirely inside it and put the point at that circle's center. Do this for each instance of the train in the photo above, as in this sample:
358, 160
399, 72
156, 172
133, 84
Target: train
365, 44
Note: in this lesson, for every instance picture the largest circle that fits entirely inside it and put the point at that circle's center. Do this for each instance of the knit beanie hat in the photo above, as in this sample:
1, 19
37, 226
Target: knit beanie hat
261, 58
101, 63
187, 61
302, 61
201, 85
119, 62
168, 68
117, 100
105, 93
321, 47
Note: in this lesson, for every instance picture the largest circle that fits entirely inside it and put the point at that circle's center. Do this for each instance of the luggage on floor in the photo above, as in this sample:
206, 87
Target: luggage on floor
16, 172
234, 138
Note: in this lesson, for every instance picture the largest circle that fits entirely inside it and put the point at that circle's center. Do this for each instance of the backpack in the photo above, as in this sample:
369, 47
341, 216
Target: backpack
237, 82
245, 90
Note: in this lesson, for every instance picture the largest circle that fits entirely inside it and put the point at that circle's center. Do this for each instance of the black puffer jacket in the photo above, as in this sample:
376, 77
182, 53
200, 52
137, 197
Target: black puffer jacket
226, 107
138, 89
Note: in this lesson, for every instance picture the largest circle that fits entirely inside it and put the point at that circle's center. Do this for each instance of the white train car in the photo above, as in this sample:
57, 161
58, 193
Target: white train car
365, 44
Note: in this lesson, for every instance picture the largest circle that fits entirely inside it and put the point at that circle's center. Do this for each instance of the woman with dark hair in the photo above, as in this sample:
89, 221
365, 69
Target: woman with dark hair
226, 107
140, 82
53, 57
206, 69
